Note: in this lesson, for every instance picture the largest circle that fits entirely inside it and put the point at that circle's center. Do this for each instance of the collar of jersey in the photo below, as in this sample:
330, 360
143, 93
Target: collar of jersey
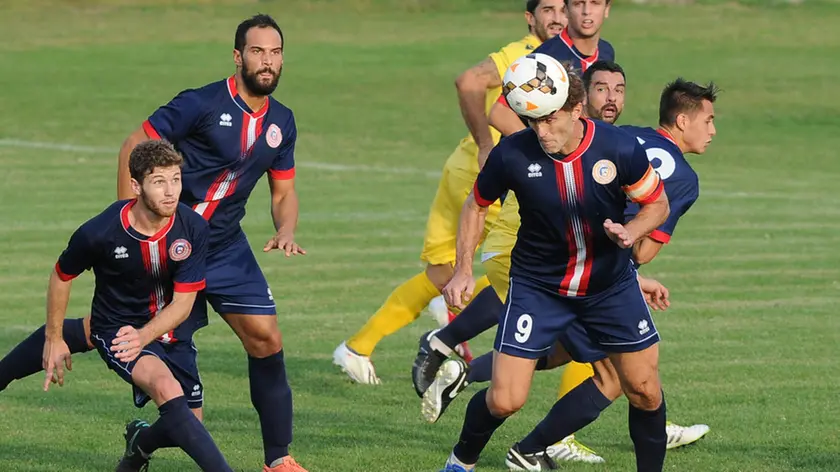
588, 134
136, 234
234, 95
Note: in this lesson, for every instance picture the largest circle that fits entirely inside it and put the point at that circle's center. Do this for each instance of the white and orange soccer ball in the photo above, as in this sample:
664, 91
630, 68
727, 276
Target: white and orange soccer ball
535, 85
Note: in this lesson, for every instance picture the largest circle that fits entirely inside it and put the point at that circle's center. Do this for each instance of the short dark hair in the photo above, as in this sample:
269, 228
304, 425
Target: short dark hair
682, 96
567, 2
257, 21
606, 66
531, 6
150, 154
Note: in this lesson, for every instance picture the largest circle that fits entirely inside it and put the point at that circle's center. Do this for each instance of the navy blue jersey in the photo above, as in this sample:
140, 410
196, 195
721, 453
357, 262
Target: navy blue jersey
681, 182
227, 148
563, 202
562, 48
136, 275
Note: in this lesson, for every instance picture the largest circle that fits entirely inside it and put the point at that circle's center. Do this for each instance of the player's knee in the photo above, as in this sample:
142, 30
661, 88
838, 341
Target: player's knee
504, 402
644, 394
264, 342
163, 387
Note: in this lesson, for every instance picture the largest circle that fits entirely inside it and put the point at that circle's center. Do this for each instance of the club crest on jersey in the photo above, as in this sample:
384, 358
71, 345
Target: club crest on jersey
180, 250
603, 171
273, 136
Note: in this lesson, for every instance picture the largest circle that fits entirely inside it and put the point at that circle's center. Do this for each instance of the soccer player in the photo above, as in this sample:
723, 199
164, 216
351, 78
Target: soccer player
689, 104
579, 44
570, 264
230, 133
148, 255
478, 88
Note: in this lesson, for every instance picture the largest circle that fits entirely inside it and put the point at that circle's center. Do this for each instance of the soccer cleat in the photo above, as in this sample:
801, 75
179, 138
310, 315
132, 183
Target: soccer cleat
426, 364
572, 450
682, 435
450, 380
452, 465
439, 311
358, 367
288, 465
516, 460
133, 459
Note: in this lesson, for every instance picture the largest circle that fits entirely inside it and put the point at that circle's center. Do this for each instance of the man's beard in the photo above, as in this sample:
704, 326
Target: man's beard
154, 208
253, 83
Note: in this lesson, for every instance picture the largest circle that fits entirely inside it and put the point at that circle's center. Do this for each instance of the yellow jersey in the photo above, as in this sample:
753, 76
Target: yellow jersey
465, 158
502, 235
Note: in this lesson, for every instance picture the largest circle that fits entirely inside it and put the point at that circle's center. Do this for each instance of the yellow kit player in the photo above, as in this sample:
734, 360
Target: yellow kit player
478, 89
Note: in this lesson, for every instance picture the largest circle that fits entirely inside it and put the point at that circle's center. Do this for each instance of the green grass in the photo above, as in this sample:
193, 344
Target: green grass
748, 344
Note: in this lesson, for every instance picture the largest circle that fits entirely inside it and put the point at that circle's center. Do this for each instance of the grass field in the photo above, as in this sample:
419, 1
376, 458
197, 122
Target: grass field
749, 344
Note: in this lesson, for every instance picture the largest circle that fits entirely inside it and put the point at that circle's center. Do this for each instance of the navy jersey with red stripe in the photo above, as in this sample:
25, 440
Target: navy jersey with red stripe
136, 275
227, 148
563, 202
562, 48
681, 182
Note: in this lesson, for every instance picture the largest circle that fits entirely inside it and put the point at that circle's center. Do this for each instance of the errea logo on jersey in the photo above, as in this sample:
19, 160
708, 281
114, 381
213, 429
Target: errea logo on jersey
225, 120
121, 253
534, 170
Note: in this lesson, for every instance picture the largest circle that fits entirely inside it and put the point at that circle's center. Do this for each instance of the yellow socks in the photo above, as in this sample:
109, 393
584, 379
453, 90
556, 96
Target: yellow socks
573, 375
401, 308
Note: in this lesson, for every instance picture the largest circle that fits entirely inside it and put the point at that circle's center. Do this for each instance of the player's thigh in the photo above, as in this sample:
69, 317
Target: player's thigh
532, 320
510, 384
152, 375
442, 222
639, 375
497, 268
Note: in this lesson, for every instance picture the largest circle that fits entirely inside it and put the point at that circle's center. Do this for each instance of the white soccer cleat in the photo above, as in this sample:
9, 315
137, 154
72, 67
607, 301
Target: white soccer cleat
439, 311
682, 435
572, 450
357, 367
450, 380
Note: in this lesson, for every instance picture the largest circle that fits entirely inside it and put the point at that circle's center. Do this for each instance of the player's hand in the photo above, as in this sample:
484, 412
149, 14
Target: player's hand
284, 242
618, 233
656, 294
128, 344
459, 290
56, 355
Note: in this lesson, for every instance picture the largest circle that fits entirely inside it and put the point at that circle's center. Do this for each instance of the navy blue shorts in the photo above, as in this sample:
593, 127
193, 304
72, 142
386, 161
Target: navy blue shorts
180, 357
615, 320
235, 282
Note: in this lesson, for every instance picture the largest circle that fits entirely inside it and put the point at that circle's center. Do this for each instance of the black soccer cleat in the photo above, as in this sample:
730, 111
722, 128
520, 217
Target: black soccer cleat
133, 459
426, 364
450, 380
539, 461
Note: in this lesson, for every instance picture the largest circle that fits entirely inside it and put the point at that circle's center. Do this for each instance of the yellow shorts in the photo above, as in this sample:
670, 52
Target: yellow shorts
497, 268
442, 226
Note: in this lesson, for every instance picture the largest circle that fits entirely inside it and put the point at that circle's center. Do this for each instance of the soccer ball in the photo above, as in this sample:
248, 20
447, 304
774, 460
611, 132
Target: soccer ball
535, 85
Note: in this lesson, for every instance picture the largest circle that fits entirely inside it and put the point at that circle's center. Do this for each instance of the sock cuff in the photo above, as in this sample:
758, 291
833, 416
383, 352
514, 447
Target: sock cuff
275, 358
174, 404
648, 413
595, 396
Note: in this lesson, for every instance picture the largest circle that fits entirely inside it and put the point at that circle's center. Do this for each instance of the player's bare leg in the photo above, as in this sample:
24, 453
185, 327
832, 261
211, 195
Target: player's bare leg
270, 391
177, 425
639, 375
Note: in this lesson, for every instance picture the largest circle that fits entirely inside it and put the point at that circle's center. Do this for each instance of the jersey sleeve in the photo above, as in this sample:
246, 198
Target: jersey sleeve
283, 166
77, 257
637, 177
680, 199
175, 120
190, 274
504, 57
491, 183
